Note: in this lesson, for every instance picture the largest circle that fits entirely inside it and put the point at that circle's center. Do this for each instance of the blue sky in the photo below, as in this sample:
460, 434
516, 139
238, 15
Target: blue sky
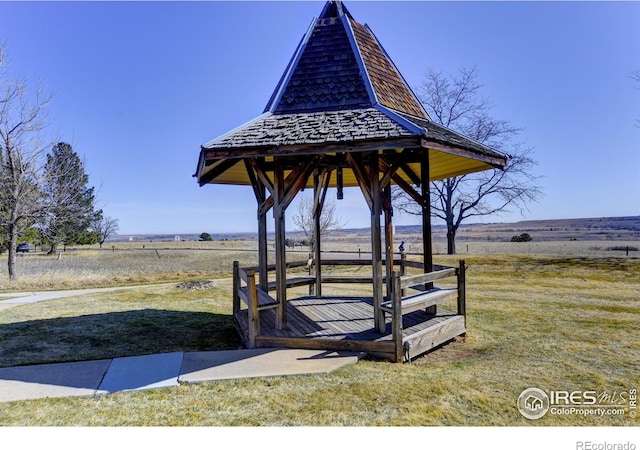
139, 86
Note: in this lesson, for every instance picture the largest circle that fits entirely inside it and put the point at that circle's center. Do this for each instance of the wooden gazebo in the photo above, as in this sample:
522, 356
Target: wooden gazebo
343, 116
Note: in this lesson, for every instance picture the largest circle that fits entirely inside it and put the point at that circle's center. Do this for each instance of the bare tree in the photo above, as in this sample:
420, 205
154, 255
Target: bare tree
328, 219
635, 76
104, 227
456, 103
22, 120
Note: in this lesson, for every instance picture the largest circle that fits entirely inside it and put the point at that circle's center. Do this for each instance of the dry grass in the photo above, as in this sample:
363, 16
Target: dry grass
105, 268
122, 323
550, 322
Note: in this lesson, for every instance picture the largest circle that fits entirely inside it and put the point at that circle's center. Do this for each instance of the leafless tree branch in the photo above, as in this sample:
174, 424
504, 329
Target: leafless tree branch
455, 102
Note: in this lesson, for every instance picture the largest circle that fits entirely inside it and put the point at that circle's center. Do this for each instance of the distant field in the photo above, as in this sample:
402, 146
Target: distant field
142, 262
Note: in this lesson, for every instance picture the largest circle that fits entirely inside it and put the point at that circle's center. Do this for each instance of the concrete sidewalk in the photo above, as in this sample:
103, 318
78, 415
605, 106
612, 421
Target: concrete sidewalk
23, 298
162, 370
152, 371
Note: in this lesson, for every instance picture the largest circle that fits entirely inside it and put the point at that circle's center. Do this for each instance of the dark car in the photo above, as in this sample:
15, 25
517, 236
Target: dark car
22, 248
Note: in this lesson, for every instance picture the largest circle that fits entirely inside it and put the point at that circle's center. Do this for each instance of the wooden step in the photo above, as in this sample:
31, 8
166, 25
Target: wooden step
422, 300
265, 301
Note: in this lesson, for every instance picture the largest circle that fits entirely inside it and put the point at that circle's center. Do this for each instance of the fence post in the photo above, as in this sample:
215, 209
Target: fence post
396, 316
310, 264
462, 297
403, 269
254, 318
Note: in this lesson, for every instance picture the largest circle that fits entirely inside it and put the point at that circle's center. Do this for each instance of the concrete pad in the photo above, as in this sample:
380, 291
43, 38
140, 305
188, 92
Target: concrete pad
233, 364
142, 372
40, 297
51, 380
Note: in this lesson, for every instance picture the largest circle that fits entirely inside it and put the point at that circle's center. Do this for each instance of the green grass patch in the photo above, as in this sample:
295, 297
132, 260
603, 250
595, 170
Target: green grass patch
546, 322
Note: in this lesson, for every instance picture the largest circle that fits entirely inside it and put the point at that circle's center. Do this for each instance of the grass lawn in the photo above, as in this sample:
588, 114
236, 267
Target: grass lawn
554, 323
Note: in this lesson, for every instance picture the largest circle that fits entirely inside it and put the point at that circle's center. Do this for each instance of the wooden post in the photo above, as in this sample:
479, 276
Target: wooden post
310, 269
427, 249
262, 244
317, 213
462, 295
259, 182
376, 243
388, 237
403, 269
281, 261
254, 318
236, 287
396, 318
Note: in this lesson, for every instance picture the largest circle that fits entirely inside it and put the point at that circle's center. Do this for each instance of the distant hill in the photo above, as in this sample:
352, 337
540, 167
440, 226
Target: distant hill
587, 229
601, 228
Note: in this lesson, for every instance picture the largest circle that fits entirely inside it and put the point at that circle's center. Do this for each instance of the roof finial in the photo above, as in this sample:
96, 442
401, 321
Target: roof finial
334, 9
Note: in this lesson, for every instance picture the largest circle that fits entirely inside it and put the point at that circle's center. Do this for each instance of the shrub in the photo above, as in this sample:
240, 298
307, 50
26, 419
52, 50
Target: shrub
524, 237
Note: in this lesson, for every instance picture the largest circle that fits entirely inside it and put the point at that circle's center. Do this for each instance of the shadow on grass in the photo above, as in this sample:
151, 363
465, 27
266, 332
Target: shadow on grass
115, 334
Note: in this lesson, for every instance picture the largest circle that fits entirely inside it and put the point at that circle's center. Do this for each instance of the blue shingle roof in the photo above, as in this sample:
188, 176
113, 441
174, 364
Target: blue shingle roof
326, 76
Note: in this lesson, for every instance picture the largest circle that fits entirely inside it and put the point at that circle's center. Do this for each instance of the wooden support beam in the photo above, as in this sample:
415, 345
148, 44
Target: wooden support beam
295, 181
426, 213
254, 316
320, 186
236, 287
415, 179
427, 248
258, 166
263, 206
262, 245
280, 234
266, 205
407, 188
396, 319
284, 191
462, 294
355, 162
389, 165
388, 236
255, 184
376, 243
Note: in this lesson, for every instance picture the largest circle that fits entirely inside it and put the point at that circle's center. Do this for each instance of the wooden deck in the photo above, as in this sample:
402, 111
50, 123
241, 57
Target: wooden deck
347, 323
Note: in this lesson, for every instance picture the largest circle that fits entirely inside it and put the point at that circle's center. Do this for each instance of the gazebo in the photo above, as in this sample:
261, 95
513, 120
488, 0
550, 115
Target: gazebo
341, 116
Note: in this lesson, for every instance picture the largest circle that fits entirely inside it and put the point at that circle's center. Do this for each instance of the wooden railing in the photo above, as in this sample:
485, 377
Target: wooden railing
247, 290
428, 297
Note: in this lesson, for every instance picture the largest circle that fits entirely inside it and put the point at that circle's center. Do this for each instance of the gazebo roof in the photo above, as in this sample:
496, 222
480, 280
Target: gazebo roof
341, 92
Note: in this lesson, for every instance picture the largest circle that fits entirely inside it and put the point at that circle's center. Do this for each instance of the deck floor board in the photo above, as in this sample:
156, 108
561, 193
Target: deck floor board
337, 318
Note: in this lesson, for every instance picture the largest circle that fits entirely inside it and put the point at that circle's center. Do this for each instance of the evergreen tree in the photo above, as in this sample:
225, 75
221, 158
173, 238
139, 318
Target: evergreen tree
71, 202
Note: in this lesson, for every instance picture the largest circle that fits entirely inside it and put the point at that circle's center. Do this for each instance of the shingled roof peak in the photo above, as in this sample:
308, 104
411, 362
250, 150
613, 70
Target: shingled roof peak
340, 64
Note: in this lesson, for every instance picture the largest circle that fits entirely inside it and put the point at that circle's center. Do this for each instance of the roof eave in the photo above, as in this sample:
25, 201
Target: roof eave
493, 161
310, 149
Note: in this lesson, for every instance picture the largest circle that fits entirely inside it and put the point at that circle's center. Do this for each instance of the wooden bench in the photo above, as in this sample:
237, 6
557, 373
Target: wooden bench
422, 300
293, 282
346, 279
307, 280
